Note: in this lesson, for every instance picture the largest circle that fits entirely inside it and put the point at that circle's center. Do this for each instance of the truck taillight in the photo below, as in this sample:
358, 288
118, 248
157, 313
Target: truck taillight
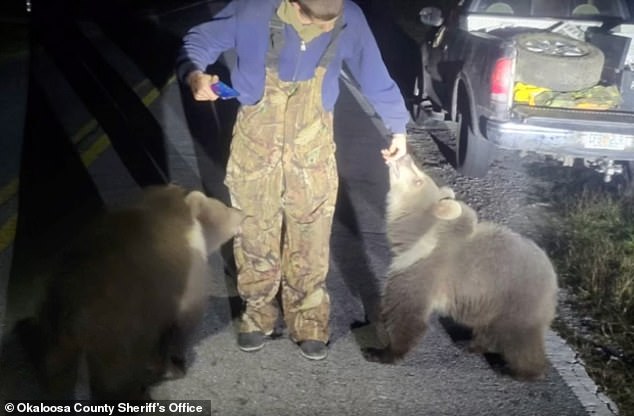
502, 80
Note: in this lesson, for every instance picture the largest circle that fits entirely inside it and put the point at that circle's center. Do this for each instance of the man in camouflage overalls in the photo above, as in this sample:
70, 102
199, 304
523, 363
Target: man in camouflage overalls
282, 173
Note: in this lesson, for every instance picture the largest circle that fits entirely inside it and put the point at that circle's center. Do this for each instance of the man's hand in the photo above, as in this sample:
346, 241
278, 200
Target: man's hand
200, 84
397, 149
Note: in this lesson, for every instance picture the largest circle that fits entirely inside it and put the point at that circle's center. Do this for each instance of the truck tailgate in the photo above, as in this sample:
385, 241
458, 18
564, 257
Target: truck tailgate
618, 122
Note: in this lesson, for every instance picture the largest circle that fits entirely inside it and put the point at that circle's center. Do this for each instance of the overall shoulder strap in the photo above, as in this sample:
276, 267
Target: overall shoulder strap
276, 41
331, 49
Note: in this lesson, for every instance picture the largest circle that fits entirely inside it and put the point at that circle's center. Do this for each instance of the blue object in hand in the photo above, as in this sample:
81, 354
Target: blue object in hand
224, 91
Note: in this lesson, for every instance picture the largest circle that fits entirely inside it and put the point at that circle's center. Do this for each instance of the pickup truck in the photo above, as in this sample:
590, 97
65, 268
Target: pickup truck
555, 77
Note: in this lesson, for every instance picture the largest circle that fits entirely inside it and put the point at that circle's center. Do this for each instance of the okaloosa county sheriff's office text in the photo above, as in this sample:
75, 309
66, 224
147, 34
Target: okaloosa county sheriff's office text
107, 409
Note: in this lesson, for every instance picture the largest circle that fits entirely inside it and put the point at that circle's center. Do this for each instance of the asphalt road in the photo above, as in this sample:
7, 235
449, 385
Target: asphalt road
438, 378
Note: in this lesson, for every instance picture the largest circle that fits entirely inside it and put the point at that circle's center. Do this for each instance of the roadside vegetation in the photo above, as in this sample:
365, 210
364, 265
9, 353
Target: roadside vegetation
592, 246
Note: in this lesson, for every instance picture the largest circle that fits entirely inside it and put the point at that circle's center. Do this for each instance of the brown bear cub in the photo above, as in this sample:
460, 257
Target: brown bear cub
129, 293
482, 275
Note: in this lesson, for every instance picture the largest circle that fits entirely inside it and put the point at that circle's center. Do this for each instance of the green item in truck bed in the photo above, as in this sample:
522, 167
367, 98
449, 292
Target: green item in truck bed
598, 97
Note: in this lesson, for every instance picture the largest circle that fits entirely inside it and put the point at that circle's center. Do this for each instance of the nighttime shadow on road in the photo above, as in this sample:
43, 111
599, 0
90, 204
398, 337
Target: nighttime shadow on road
349, 253
152, 48
144, 37
56, 192
18, 375
211, 127
567, 180
439, 131
57, 199
132, 130
462, 335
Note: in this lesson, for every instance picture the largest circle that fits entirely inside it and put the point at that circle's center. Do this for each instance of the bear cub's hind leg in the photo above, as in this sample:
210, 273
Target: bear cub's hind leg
523, 351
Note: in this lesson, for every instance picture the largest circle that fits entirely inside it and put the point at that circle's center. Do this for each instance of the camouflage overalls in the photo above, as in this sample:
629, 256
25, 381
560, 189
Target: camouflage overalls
282, 173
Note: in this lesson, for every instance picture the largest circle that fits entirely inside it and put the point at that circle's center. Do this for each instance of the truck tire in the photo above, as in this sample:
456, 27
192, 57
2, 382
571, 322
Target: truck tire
558, 62
474, 154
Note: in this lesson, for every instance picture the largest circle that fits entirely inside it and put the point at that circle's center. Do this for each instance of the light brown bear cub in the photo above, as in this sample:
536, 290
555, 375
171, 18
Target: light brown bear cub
482, 275
129, 294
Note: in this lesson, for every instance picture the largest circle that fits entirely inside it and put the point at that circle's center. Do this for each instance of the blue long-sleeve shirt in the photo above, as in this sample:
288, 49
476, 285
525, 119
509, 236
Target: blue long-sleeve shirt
243, 25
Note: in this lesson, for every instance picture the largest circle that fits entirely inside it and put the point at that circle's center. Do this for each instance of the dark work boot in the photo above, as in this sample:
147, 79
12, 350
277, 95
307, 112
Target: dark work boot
313, 350
251, 341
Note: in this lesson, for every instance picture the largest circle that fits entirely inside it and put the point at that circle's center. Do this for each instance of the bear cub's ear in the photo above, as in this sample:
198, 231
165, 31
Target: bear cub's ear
212, 211
447, 209
219, 221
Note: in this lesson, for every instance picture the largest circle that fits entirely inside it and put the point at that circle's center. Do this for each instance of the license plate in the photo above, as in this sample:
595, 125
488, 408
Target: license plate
606, 141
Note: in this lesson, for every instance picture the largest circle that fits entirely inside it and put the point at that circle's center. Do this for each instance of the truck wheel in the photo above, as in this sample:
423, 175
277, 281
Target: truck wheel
558, 62
474, 154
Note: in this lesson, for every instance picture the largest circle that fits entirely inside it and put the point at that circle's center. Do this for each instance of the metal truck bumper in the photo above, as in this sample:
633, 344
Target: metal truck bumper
547, 140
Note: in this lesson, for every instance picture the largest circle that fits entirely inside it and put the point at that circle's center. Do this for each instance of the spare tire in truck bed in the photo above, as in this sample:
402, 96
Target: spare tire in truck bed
556, 61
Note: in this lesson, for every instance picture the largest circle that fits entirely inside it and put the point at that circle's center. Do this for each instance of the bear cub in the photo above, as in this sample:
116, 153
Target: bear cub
128, 295
482, 275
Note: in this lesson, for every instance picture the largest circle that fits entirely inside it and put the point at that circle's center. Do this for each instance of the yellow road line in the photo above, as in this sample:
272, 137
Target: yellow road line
11, 188
151, 96
7, 232
84, 131
7, 191
88, 157
91, 154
